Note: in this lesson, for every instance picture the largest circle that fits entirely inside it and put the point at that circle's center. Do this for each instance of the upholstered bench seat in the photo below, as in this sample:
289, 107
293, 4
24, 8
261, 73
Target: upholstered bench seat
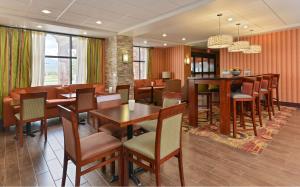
63, 102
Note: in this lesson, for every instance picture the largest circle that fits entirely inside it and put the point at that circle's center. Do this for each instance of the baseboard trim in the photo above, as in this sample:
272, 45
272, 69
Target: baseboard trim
297, 105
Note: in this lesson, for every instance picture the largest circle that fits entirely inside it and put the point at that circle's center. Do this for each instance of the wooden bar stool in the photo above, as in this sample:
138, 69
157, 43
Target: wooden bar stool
275, 85
203, 90
257, 94
265, 91
246, 95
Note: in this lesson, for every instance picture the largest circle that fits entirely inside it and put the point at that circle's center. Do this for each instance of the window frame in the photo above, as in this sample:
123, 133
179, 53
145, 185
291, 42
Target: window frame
140, 61
70, 57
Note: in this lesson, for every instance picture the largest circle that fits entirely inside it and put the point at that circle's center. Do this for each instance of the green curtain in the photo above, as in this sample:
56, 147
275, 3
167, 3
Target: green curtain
94, 60
15, 60
150, 54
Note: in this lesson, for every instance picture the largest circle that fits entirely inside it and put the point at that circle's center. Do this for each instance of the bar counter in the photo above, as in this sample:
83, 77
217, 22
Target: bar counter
224, 83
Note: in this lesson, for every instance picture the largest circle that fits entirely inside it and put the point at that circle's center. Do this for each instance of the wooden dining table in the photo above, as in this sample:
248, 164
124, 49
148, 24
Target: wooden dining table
224, 82
125, 118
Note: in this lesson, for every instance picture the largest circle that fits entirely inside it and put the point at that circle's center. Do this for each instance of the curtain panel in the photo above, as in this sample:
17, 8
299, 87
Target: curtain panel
15, 60
94, 60
38, 58
81, 49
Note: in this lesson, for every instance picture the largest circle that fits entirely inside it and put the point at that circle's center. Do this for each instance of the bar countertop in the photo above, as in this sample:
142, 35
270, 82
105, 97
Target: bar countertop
217, 77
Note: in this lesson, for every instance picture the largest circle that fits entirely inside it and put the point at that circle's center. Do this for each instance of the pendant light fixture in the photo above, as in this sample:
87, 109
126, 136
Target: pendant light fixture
219, 41
239, 46
254, 49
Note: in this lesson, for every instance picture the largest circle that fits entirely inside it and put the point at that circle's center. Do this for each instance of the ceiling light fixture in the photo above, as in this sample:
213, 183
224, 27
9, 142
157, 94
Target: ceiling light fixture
219, 41
165, 44
46, 11
39, 26
230, 19
239, 46
164, 35
99, 22
145, 42
253, 49
183, 39
85, 33
245, 27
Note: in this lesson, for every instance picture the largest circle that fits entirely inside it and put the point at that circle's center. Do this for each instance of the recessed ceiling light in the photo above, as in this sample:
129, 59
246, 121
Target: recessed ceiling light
165, 44
145, 42
99, 22
164, 35
245, 27
46, 11
230, 19
85, 33
39, 26
183, 39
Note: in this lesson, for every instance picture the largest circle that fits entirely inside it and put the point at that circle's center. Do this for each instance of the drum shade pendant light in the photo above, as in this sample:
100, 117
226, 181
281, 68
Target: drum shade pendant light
219, 41
254, 49
239, 46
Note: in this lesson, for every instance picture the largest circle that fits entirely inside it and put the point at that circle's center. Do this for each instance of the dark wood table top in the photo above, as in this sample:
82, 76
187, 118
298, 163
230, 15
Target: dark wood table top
218, 77
124, 117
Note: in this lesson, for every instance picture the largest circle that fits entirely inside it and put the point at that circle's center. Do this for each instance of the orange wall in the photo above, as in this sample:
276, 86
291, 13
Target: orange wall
280, 54
158, 62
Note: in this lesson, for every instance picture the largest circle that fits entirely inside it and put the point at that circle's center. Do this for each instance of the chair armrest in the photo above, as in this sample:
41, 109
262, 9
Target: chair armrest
8, 112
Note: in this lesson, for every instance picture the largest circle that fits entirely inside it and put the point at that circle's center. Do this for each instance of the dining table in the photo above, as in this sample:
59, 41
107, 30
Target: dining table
126, 118
225, 83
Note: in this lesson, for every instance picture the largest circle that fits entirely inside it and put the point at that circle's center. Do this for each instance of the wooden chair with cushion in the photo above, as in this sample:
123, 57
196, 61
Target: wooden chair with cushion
275, 85
265, 92
87, 150
152, 149
245, 96
169, 99
33, 108
85, 101
123, 90
170, 86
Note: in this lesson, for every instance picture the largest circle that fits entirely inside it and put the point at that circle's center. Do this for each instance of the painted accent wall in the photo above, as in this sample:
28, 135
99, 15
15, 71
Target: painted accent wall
171, 59
280, 54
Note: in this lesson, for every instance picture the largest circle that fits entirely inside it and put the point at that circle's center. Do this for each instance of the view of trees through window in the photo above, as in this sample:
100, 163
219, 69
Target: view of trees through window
140, 62
60, 59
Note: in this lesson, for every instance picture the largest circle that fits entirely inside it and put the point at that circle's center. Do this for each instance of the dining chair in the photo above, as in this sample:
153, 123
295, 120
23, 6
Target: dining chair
245, 96
152, 149
275, 85
169, 99
32, 108
123, 90
85, 101
203, 90
265, 92
89, 150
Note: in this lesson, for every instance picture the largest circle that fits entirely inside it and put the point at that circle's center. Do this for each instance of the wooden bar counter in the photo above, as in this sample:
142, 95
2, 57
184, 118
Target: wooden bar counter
224, 83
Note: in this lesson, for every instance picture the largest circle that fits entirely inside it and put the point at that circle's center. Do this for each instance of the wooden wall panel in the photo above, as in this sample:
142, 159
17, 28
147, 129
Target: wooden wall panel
158, 62
280, 54
175, 61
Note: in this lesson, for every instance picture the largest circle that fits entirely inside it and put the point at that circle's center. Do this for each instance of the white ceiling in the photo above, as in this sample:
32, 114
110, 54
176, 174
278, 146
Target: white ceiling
148, 19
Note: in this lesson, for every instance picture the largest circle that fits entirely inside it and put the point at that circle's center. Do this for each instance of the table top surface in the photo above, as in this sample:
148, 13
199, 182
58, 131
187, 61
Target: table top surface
73, 95
124, 117
150, 87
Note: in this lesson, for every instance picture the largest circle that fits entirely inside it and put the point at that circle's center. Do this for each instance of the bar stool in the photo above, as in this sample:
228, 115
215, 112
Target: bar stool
265, 91
257, 94
246, 95
275, 85
203, 90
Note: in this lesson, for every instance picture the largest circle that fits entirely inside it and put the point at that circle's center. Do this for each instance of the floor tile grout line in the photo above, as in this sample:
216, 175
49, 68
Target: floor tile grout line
35, 174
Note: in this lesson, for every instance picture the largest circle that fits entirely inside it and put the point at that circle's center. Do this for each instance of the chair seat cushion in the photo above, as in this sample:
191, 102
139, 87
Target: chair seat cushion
240, 96
143, 144
149, 125
97, 144
263, 90
55, 102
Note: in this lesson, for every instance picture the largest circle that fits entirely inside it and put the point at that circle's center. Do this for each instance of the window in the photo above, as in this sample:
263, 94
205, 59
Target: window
60, 59
140, 62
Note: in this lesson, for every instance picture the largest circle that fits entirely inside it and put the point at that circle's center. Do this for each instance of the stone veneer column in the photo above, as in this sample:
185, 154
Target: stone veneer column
116, 71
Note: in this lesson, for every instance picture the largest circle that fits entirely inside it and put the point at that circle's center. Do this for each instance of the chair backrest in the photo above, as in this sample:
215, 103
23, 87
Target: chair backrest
171, 98
266, 82
85, 99
257, 84
275, 80
123, 90
203, 88
71, 135
173, 85
168, 132
33, 106
248, 86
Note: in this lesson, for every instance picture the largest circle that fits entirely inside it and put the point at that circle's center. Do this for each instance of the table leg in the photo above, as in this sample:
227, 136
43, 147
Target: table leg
193, 103
29, 131
131, 173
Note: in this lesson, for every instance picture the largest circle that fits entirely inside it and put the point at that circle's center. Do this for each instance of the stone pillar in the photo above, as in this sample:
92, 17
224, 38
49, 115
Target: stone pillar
117, 72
